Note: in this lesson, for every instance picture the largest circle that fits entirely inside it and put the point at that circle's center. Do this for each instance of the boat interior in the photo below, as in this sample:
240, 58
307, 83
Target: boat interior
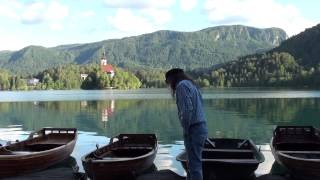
37, 144
227, 150
127, 152
301, 142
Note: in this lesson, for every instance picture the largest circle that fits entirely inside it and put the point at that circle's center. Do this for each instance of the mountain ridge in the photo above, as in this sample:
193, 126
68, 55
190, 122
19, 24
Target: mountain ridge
160, 49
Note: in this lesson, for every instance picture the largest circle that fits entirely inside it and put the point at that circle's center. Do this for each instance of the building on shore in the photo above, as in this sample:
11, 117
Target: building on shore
32, 82
105, 67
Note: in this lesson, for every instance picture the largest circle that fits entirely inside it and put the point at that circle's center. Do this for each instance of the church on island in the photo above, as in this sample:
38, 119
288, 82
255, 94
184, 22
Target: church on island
105, 67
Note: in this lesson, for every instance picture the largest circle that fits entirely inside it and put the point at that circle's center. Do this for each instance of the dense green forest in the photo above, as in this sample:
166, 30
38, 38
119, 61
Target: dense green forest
271, 69
295, 63
68, 77
11, 82
158, 50
305, 47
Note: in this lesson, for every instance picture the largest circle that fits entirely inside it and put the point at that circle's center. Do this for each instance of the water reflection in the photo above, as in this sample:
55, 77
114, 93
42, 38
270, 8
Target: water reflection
97, 121
241, 118
107, 112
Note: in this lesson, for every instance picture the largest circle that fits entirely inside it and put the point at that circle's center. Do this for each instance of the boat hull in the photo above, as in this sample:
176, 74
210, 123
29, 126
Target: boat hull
25, 162
298, 151
227, 162
122, 165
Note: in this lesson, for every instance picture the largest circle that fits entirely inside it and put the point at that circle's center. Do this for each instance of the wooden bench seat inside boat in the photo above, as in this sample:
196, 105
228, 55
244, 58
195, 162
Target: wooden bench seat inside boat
303, 154
136, 147
298, 146
126, 152
300, 152
233, 160
229, 150
241, 154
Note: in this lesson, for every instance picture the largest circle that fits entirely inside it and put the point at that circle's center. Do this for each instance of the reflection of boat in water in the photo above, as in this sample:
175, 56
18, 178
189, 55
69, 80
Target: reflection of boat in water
298, 149
228, 158
41, 150
130, 154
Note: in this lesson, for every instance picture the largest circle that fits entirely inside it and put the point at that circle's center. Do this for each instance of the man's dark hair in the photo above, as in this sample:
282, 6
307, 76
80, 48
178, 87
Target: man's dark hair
174, 76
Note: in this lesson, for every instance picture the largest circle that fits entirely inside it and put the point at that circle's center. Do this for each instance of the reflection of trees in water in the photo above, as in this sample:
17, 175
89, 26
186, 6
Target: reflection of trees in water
241, 118
273, 111
128, 116
146, 116
255, 118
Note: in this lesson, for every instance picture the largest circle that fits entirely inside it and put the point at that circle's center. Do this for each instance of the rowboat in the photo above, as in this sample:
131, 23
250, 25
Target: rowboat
125, 156
298, 149
227, 158
39, 151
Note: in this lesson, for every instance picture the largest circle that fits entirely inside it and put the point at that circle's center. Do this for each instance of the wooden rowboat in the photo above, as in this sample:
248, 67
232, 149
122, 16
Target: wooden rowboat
227, 159
124, 156
298, 149
42, 149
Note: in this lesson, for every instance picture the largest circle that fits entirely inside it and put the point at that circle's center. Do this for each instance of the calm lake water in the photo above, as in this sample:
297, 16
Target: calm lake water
99, 115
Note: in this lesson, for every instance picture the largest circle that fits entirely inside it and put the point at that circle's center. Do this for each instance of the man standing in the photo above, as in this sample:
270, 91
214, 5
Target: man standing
192, 119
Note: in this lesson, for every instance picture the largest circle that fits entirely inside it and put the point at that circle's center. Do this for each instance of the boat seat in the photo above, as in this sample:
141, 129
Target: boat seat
136, 147
116, 159
21, 152
233, 160
300, 152
228, 150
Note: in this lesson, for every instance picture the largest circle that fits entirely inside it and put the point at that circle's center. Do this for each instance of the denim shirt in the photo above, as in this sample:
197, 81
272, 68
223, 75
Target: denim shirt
189, 103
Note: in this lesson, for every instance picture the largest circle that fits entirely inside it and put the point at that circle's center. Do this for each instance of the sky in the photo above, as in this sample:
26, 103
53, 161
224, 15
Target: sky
50, 23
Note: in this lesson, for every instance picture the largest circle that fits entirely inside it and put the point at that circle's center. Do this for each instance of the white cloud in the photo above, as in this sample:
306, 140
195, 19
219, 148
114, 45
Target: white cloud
139, 4
56, 11
126, 21
159, 16
35, 12
139, 16
8, 9
187, 5
87, 14
56, 26
11, 42
39, 12
266, 13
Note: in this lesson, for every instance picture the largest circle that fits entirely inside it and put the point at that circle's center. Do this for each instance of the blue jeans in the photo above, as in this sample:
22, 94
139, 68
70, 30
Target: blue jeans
193, 142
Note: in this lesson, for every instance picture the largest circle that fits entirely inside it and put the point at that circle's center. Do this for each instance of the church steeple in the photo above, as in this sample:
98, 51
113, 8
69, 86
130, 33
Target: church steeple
105, 67
104, 60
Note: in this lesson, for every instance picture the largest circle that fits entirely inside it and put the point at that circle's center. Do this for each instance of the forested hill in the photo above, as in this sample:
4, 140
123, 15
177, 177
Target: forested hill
296, 62
305, 47
161, 49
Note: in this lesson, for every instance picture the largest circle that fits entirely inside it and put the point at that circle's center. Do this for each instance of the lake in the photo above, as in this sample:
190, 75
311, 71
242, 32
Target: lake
101, 114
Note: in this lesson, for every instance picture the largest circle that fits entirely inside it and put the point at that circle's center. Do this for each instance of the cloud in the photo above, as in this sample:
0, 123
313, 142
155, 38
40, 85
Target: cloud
56, 11
11, 42
125, 21
87, 14
35, 12
40, 12
266, 13
56, 26
158, 16
139, 4
8, 9
187, 5
139, 16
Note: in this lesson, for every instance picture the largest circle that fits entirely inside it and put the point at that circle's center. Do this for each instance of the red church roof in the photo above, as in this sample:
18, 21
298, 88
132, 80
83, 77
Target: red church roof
107, 68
